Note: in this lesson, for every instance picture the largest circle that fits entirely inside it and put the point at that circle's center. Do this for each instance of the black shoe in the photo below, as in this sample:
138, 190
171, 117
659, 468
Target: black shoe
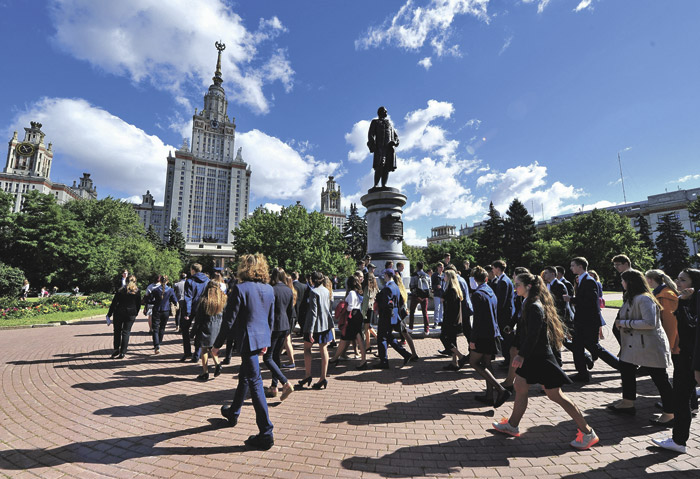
217, 370
580, 378
259, 442
462, 362
229, 415
508, 388
631, 411
589, 362
501, 398
445, 352
226, 361
300, 384
450, 367
362, 366
414, 358
121, 356
406, 360
185, 358
114, 354
288, 366
321, 384
382, 366
666, 424
484, 400
333, 344
194, 359
659, 405
203, 377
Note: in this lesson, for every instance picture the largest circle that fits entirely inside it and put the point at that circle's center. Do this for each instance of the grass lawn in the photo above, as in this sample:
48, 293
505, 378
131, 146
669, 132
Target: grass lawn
52, 317
613, 303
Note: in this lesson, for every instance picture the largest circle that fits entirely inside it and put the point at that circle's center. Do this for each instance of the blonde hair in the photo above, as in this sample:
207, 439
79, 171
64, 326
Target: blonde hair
662, 278
213, 299
402, 288
452, 282
253, 267
131, 287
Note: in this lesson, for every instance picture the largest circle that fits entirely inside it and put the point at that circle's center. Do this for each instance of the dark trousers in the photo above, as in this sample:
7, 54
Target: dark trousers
587, 338
628, 373
122, 332
466, 325
385, 336
185, 325
448, 336
271, 358
159, 320
415, 301
228, 353
683, 390
249, 378
182, 308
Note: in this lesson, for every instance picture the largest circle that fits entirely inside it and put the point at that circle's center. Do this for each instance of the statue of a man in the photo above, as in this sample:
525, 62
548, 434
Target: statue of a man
382, 141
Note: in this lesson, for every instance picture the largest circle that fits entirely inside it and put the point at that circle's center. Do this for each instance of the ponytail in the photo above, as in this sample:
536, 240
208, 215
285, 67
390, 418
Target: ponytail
662, 278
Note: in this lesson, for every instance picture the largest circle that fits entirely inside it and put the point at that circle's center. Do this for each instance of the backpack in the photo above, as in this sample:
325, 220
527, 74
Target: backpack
341, 316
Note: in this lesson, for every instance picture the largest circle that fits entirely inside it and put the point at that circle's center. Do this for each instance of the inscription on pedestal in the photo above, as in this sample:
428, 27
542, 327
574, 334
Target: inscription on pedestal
391, 227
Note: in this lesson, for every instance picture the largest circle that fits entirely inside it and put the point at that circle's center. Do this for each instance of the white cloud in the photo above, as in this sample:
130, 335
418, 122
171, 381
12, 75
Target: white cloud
541, 4
473, 123
426, 63
584, 4
418, 132
412, 26
527, 183
119, 156
357, 138
410, 236
506, 44
615, 182
686, 178
279, 172
171, 45
273, 207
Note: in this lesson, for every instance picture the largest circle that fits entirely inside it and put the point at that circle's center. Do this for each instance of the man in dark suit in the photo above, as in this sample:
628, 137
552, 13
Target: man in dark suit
503, 287
300, 306
120, 281
587, 322
564, 281
389, 302
194, 287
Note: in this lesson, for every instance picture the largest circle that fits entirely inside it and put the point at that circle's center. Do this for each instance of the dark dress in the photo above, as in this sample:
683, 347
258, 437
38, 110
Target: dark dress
485, 333
452, 319
539, 365
355, 322
208, 327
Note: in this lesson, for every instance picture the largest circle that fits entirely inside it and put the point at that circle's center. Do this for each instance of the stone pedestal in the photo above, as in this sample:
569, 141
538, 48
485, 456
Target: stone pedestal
385, 228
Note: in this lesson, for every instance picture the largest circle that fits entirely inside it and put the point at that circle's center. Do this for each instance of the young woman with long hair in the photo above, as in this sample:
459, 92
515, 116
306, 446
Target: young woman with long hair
284, 305
405, 334
353, 330
643, 343
208, 324
452, 319
666, 293
540, 330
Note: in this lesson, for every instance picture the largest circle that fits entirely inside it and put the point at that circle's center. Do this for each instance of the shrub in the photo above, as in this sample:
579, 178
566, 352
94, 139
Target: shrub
11, 280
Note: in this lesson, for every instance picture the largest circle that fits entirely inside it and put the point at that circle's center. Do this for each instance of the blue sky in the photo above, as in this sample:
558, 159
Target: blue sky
491, 99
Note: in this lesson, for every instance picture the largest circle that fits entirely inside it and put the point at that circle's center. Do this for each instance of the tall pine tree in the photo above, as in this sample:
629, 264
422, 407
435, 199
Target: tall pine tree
176, 241
355, 234
520, 233
153, 237
491, 237
671, 245
645, 234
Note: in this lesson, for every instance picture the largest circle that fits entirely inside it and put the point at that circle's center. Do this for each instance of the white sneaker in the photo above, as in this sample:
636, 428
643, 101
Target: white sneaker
669, 444
505, 427
584, 441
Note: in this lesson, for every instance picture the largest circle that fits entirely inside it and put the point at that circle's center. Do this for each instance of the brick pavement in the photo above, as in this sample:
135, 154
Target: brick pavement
67, 410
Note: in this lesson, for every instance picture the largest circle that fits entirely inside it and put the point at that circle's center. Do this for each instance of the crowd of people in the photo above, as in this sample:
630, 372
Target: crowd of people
527, 319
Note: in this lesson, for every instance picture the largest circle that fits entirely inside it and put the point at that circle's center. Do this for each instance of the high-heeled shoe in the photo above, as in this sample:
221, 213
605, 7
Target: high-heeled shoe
300, 384
217, 370
321, 384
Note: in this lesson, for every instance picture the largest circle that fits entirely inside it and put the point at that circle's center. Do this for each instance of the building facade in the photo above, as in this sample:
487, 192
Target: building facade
330, 204
441, 234
207, 185
28, 167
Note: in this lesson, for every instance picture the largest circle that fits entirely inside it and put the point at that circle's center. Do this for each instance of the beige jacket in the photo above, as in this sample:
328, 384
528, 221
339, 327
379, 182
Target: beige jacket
644, 341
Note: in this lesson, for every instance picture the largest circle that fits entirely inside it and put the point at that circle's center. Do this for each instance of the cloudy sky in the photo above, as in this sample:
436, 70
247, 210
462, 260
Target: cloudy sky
492, 99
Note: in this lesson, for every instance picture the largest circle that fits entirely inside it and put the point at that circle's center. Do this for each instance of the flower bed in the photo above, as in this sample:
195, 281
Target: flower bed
11, 308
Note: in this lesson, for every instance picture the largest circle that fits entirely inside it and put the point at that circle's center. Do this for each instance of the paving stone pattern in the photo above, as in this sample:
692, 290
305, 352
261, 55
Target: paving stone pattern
67, 410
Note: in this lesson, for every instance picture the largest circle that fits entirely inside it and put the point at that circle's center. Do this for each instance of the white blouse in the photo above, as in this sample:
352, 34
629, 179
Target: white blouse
354, 301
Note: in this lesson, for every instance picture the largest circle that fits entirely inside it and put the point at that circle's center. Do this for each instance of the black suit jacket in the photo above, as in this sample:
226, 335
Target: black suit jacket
302, 303
587, 315
558, 290
506, 304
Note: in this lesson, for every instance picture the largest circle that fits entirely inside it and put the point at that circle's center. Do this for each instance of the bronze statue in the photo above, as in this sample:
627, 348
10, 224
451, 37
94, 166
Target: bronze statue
383, 141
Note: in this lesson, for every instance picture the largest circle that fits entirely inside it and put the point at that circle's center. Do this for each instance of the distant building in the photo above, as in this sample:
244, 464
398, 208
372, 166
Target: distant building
28, 168
151, 215
441, 234
330, 204
655, 206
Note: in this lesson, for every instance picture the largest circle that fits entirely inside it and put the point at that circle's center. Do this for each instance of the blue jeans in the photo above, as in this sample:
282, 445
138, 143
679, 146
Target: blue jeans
272, 357
437, 311
249, 378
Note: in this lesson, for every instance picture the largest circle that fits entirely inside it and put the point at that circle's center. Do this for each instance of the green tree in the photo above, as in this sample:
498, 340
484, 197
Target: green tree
176, 241
460, 249
355, 234
414, 254
547, 252
645, 234
11, 280
154, 237
295, 240
671, 245
694, 213
519, 232
491, 237
7, 219
598, 236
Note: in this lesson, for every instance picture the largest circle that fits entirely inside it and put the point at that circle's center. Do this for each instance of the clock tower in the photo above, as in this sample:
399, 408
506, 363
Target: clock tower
330, 203
29, 157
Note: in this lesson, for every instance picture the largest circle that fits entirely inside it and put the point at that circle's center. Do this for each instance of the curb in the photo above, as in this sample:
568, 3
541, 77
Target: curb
49, 325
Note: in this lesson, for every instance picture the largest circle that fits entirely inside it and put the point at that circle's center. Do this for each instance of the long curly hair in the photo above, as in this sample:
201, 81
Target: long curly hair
539, 292
253, 267
213, 299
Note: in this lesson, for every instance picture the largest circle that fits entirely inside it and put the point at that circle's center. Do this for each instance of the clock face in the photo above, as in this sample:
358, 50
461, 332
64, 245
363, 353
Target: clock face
214, 124
334, 195
25, 149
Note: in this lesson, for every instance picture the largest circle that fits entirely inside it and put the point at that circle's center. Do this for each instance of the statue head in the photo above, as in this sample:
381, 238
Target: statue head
381, 112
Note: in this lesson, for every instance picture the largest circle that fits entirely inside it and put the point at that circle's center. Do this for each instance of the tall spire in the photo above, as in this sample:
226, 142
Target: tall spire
217, 75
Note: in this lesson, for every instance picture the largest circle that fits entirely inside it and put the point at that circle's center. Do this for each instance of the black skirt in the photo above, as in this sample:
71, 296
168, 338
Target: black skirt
543, 370
490, 346
354, 326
